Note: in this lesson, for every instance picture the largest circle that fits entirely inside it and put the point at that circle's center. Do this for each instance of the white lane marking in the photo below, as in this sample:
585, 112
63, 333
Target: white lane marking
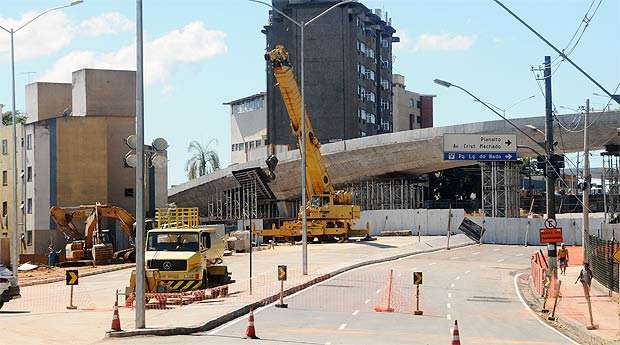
467, 272
342, 326
449, 294
432, 263
534, 314
259, 310
454, 258
520, 254
449, 317
458, 278
329, 343
496, 250
452, 286
475, 253
448, 305
355, 312
501, 260
378, 290
366, 301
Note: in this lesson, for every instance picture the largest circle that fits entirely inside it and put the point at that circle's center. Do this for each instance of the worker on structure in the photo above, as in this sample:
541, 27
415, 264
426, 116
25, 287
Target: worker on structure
563, 257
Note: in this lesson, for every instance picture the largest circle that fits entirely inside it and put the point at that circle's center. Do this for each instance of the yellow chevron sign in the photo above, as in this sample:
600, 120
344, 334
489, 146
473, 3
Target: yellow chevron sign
417, 278
282, 272
71, 276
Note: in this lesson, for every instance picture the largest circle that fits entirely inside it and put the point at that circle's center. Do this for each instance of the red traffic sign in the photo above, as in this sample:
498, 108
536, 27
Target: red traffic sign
551, 235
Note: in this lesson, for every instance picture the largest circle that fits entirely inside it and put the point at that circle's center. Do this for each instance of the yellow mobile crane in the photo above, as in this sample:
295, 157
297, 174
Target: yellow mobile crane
330, 213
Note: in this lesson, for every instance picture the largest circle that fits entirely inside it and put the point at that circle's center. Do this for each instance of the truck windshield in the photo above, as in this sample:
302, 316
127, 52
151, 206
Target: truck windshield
173, 241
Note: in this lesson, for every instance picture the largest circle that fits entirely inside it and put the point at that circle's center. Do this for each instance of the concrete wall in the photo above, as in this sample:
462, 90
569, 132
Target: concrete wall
47, 100
430, 222
104, 93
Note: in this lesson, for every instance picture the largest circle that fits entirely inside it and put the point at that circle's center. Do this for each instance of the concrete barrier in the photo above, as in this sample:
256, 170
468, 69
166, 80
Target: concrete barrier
431, 222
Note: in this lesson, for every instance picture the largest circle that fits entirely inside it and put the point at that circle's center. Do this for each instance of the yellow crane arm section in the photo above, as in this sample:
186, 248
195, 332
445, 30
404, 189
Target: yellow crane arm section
318, 181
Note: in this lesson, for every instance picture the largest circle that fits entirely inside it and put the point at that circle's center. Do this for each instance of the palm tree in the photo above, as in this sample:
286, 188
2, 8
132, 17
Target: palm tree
203, 161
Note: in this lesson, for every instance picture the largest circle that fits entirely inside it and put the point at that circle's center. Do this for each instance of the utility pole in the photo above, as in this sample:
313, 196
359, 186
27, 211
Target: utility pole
550, 169
586, 180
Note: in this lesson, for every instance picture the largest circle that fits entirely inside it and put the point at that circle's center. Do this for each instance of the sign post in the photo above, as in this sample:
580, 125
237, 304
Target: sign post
551, 233
417, 281
282, 279
479, 147
72, 279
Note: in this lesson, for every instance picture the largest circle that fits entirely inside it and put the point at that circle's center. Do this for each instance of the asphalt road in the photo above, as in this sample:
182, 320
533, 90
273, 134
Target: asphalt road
474, 285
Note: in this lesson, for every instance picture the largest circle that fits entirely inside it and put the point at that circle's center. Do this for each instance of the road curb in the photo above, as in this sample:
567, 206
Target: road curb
223, 319
567, 327
87, 274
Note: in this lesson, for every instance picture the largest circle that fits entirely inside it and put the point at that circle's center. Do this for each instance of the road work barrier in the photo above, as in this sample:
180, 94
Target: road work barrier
165, 300
250, 332
456, 338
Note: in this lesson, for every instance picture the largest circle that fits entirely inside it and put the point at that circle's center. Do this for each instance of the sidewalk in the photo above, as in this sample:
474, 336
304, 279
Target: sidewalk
573, 310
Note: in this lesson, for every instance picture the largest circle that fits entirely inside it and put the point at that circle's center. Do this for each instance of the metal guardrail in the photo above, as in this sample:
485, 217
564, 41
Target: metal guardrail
600, 254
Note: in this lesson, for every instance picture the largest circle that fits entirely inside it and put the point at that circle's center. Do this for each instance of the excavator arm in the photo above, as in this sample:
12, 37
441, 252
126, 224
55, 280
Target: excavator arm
64, 217
319, 182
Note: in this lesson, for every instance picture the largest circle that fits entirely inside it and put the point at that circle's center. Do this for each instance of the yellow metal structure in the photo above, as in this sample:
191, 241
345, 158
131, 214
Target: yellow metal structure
330, 213
183, 255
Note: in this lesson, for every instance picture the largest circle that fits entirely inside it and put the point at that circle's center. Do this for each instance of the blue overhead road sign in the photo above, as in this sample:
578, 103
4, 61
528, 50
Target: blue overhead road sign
479, 156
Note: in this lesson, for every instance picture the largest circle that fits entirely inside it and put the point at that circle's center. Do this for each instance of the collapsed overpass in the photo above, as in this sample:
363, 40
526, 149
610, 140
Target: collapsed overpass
417, 152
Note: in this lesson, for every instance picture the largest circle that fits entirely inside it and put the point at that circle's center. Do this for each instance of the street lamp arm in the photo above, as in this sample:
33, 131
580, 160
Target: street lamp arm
5, 29
498, 114
519, 102
278, 11
45, 12
327, 10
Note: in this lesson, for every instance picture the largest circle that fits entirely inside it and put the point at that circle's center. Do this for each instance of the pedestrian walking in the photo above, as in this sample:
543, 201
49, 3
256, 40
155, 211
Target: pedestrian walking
563, 257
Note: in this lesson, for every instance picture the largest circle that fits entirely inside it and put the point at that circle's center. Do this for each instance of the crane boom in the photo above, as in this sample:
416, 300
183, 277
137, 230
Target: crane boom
316, 173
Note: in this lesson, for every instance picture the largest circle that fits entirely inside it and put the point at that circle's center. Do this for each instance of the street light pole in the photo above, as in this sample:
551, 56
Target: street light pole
302, 25
12, 32
140, 307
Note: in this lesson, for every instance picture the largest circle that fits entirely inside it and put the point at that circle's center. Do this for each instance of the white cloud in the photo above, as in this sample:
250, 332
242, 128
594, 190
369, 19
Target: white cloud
105, 24
443, 42
41, 37
190, 44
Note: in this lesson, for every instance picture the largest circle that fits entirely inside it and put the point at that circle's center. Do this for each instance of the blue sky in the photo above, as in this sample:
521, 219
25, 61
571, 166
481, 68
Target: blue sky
202, 53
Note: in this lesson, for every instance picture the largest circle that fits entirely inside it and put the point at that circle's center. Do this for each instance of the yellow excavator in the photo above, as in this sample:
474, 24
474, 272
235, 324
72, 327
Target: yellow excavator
330, 213
95, 244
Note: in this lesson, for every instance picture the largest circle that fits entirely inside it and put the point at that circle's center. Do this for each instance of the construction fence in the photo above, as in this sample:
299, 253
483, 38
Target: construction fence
600, 254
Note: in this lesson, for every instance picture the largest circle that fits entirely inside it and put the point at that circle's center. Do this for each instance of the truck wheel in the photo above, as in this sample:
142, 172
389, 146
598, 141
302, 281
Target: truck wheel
205, 280
1, 304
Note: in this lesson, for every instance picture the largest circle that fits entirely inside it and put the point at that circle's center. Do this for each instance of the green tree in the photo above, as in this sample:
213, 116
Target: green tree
7, 118
529, 169
203, 161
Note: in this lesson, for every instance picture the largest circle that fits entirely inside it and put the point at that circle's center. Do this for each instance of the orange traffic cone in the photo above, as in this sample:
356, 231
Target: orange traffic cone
116, 321
250, 332
456, 340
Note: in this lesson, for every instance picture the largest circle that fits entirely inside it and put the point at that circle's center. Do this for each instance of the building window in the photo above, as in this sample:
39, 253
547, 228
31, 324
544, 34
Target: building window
385, 63
418, 104
258, 142
29, 206
5, 147
29, 174
129, 192
385, 104
232, 147
28, 141
248, 105
412, 103
385, 84
5, 178
29, 237
5, 208
362, 134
